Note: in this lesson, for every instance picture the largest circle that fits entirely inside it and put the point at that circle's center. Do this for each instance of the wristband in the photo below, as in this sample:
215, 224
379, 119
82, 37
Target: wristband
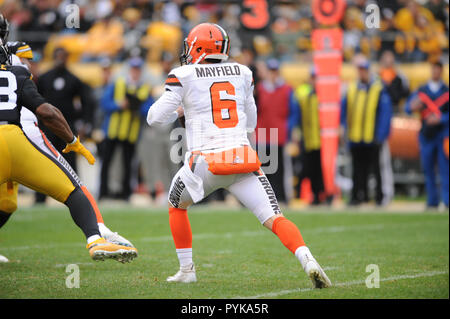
74, 140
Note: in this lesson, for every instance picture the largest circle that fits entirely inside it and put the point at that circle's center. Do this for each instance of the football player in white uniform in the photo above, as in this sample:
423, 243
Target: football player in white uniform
21, 53
216, 100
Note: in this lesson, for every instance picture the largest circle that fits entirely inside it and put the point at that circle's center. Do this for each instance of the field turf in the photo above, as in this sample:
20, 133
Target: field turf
235, 256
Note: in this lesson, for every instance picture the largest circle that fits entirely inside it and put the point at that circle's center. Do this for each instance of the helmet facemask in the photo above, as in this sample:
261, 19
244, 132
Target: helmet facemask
185, 57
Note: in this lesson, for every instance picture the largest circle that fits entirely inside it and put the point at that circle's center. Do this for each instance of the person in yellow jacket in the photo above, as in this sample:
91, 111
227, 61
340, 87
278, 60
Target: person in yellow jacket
308, 120
366, 112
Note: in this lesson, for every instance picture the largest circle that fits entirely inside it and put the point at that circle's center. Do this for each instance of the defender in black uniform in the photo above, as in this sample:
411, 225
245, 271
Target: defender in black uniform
22, 162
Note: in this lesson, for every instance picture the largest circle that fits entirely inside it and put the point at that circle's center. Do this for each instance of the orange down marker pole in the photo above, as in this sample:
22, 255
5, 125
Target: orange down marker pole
327, 58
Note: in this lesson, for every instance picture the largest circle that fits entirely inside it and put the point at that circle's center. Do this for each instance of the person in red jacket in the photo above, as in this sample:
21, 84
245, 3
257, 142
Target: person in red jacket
276, 109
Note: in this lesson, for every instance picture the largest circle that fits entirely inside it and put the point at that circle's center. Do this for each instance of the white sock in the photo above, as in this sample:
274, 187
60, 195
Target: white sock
103, 229
184, 256
92, 238
303, 255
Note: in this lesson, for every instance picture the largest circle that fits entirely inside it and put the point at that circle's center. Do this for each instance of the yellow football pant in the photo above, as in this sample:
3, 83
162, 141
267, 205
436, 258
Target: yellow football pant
22, 162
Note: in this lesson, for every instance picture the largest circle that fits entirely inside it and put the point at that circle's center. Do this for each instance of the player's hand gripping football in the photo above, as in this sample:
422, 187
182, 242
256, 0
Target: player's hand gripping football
77, 147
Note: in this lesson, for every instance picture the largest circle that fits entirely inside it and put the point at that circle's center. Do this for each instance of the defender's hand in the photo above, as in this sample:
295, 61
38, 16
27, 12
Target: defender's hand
77, 147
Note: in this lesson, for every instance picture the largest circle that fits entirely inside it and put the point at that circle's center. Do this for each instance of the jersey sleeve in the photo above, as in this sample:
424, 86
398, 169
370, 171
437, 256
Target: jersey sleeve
163, 111
29, 96
173, 84
250, 105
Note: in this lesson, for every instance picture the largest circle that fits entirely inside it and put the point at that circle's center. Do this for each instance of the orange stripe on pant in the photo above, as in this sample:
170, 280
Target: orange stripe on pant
49, 145
93, 203
180, 227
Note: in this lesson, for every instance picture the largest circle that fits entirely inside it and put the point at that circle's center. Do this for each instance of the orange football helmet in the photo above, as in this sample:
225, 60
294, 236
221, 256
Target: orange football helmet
205, 41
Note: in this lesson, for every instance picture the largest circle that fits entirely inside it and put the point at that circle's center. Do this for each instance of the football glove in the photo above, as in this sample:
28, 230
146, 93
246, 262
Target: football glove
77, 147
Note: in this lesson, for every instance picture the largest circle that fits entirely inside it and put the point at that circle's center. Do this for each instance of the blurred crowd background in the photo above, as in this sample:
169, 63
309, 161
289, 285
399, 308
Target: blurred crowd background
105, 72
415, 30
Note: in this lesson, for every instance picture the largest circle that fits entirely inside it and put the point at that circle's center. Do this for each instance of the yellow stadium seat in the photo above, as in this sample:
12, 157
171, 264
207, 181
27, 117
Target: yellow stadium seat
162, 37
104, 38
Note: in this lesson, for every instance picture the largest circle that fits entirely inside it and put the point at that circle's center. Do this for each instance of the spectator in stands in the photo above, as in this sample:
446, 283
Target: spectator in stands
134, 29
105, 37
145, 7
125, 103
308, 104
424, 37
366, 112
432, 102
276, 109
388, 31
41, 19
354, 27
437, 8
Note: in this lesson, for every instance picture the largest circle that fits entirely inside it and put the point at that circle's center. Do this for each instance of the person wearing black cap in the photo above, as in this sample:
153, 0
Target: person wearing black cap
125, 102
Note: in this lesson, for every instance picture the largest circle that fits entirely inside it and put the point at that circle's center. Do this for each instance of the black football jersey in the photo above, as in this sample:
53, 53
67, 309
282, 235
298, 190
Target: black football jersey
17, 90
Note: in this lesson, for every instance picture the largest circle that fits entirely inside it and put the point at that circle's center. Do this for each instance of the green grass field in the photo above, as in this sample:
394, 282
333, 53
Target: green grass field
235, 256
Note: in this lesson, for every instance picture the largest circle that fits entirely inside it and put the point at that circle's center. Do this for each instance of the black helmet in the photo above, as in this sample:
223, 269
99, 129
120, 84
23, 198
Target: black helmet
4, 28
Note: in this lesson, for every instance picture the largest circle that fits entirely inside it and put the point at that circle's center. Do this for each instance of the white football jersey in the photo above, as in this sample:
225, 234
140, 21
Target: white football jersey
218, 104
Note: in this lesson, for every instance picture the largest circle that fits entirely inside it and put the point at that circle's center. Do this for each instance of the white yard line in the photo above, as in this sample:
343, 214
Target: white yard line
65, 265
343, 284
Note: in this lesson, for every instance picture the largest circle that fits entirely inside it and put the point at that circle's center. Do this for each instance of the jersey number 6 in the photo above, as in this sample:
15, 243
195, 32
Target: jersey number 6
224, 111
